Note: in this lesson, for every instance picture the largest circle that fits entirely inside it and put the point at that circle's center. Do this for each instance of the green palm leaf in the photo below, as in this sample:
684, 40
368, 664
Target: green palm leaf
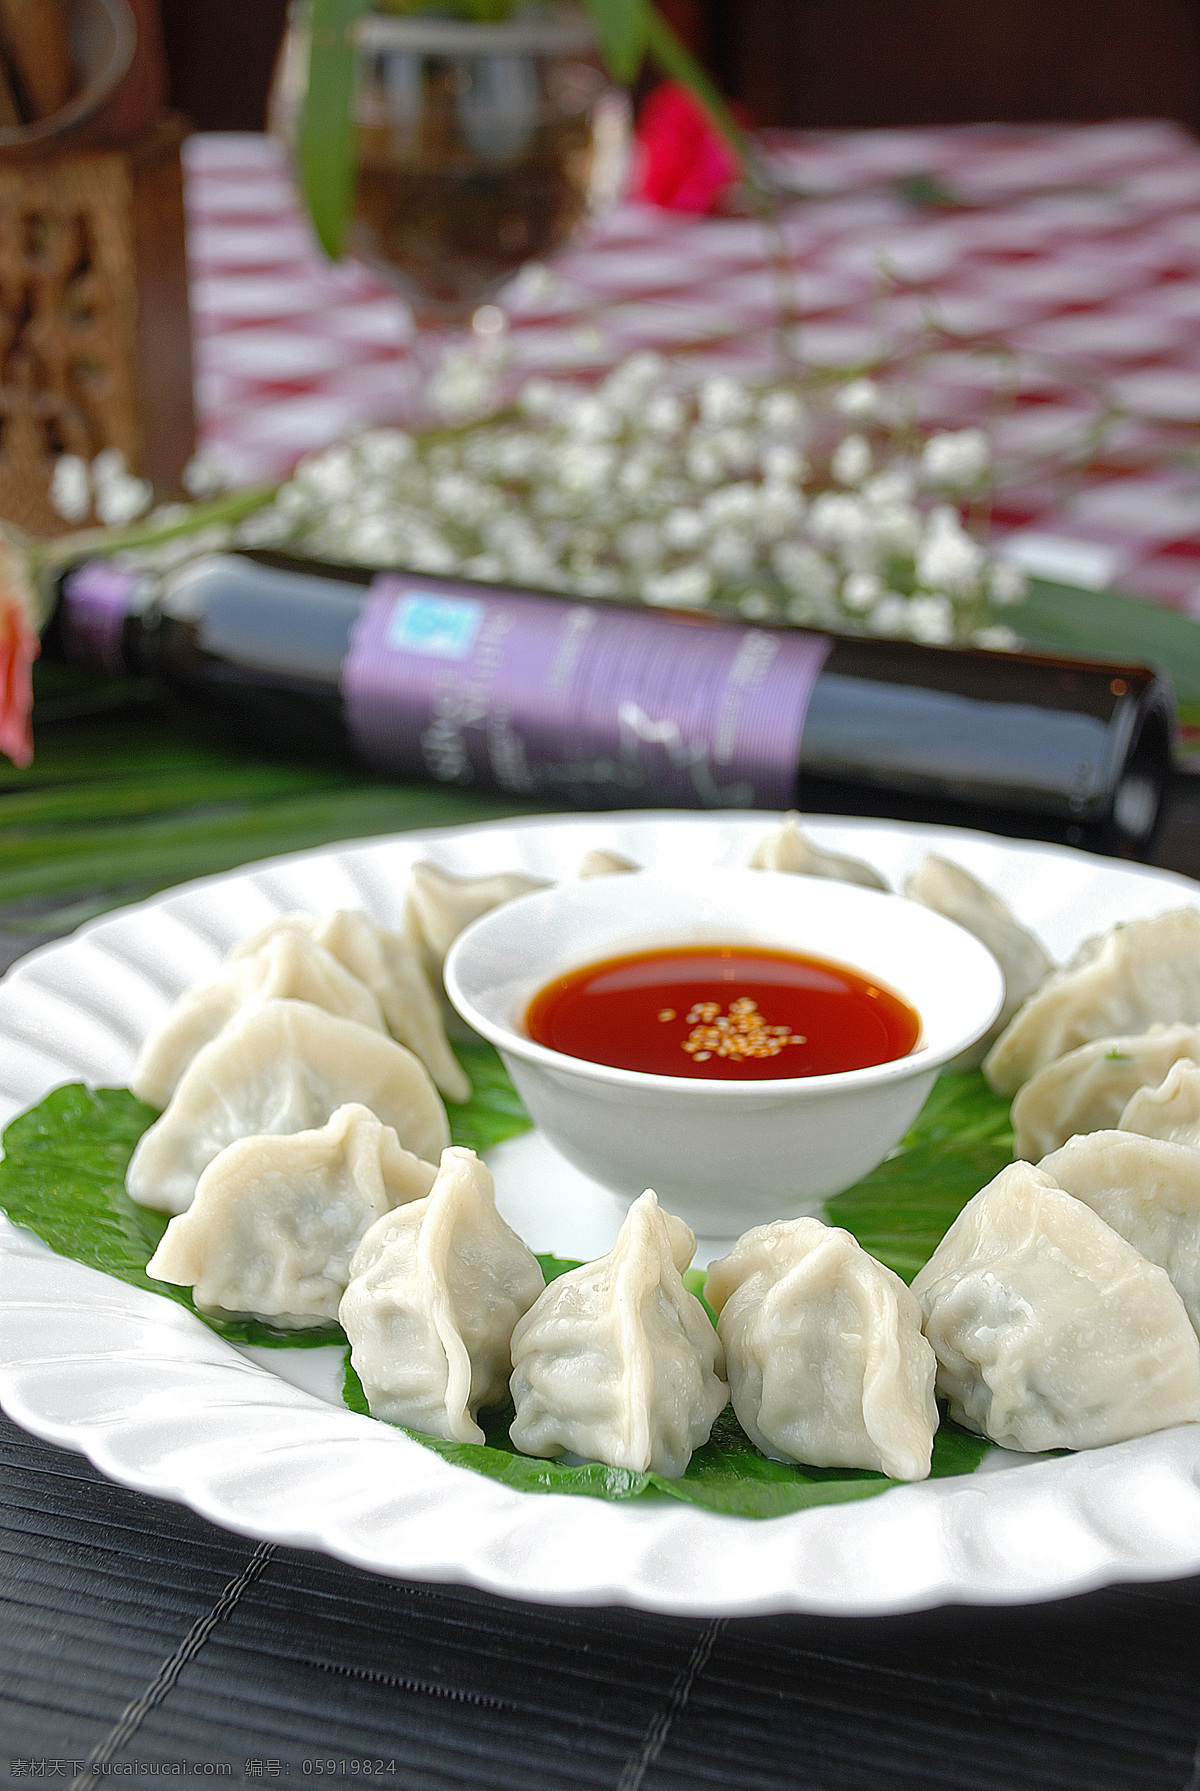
326, 145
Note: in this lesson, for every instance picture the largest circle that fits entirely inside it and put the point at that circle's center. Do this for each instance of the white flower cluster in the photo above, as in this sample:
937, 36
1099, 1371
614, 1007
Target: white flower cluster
746, 499
106, 486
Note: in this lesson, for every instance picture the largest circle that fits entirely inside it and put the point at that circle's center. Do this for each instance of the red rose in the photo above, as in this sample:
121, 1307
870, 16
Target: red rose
682, 163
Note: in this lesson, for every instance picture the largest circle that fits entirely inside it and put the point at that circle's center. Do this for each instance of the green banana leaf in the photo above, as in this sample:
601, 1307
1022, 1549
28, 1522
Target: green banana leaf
1112, 625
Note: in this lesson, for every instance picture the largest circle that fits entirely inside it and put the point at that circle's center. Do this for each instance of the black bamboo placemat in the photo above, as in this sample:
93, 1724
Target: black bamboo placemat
138, 1642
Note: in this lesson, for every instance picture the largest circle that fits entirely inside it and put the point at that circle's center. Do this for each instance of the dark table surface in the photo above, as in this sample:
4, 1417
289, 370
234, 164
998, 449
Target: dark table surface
138, 1641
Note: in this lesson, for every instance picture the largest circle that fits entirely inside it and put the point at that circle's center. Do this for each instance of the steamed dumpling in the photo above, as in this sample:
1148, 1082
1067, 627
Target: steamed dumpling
788, 848
283, 1067
1087, 1090
390, 967
617, 1361
435, 1290
438, 906
1148, 1190
599, 863
276, 1219
285, 967
948, 889
826, 1360
1172, 1110
1050, 1330
1119, 982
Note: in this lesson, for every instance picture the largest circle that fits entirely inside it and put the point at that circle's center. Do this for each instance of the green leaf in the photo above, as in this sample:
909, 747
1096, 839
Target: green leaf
327, 145
1109, 625
494, 1111
728, 1474
63, 1177
623, 28
676, 60
901, 1211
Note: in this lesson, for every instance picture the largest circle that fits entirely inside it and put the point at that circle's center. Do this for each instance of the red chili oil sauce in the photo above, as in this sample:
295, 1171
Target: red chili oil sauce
730, 1012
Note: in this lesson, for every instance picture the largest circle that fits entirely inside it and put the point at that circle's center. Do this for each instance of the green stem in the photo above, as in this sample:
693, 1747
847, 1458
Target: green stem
676, 60
46, 559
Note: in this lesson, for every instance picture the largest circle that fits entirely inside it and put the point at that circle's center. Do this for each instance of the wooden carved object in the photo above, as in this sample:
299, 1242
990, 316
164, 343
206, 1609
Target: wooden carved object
95, 344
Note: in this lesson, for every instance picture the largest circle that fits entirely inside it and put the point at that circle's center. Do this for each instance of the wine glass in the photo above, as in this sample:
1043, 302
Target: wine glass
481, 147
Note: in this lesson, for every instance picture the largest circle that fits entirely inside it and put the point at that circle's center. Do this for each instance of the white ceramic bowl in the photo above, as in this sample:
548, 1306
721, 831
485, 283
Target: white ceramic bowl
723, 1155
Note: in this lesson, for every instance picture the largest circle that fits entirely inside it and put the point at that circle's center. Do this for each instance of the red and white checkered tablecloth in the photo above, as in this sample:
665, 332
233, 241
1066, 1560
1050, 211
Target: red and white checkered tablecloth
1063, 243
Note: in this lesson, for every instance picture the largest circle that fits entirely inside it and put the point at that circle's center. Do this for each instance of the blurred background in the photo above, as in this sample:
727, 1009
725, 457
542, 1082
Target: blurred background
817, 63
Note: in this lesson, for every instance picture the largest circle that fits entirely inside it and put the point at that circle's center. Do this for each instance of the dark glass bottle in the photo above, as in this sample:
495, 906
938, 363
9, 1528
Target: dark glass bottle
603, 706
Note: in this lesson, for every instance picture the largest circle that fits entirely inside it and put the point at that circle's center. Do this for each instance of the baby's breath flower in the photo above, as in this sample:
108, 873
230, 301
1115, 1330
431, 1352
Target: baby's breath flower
931, 620
1000, 639
804, 571
859, 399
385, 451
463, 385
732, 502
585, 466
204, 475
781, 412
665, 414
861, 589
731, 553
783, 462
756, 606
687, 587
956, 457
890, 615
71, 487
589, 419
120, 497
651, 486
780, 510
851, 460
724, 400
640, 544
838, 517
735, 448
1006, 583
684, 528
539, 398
704, 463
948, 559
895, 485
897, 530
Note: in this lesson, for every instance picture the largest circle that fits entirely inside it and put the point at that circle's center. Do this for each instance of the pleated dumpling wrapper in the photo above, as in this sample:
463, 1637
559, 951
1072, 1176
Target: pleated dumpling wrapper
618, 1362
788, 848
1170, 1110
948, 889
283, 1067
276, 1219
435, 1290
439, 906
390, 966
286, 967
1148, 1190
1119, 982
601, 863
1052, 1332
823, 1346
1089, 1088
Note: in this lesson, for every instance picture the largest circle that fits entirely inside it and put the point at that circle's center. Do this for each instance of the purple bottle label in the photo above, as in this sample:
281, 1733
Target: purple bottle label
96, 599
598, 707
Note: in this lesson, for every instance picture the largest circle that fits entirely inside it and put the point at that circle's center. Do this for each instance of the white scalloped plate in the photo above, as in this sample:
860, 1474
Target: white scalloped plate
160, 1403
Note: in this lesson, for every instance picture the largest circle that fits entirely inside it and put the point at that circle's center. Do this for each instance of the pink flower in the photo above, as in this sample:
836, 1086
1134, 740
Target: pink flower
682, 162
19, 647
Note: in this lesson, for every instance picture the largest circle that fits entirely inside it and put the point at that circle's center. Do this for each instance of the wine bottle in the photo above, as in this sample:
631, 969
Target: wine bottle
601, 705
